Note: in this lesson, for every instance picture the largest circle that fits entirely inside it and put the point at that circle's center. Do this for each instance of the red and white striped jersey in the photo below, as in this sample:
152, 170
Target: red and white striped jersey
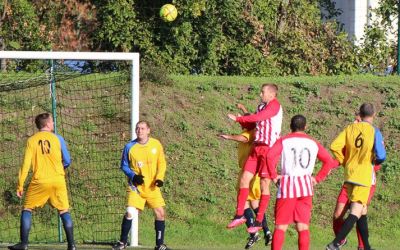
298, 153
268, 119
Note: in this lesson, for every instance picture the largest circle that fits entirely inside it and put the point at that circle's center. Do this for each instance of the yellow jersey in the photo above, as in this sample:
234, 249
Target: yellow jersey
357, 148
145, 159
244, 148
47, 153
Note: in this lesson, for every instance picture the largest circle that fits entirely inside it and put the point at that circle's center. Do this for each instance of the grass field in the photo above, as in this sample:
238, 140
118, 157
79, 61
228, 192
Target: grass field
187, 116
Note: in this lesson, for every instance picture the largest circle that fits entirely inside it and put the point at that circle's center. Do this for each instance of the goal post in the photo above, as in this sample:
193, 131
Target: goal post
96, 56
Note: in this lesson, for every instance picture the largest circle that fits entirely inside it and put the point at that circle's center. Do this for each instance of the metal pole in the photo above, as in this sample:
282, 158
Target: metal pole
134, 119
54, 113
398, 37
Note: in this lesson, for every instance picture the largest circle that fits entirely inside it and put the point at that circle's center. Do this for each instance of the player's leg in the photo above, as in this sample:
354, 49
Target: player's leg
25, 226
358, 196
284, 216
59, 200
279, 236
267, 232
243, 193
342, 205
249, 215
364, 220
134, 201
362, 231
302, 216
36, 196
156, 202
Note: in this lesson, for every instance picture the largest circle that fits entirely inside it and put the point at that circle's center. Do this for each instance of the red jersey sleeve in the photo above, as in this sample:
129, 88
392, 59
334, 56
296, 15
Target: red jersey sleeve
328, 163
273, 156
269, 111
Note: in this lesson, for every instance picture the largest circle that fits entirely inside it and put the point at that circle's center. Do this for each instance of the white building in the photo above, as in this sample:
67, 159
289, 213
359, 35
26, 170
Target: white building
356, 14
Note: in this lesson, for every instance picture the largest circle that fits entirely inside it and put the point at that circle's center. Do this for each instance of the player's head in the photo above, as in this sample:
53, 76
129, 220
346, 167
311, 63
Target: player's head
44, 121
268, 92
298, 123
142, 130
357, 117
367, 110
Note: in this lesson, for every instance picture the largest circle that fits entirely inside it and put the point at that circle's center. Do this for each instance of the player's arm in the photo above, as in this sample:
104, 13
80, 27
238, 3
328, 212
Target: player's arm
271, 110
337, 146
238, 138
328, 163
125, 163
273, 156
24, 170
379, 147
66, 158
161, 167
242, 108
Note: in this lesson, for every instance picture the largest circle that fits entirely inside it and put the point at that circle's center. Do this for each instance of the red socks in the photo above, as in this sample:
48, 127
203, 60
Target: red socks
278, 239
304, 240
262, 207
337, 225
241, 201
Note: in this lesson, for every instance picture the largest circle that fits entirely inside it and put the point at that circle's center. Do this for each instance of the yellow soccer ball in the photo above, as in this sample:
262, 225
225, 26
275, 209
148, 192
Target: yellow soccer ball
168, 12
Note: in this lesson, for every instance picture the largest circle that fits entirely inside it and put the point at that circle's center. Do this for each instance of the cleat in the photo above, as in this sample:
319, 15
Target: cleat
332, 246
19, 246
237, 221
342, 243
119, 245
162, 247
252, 240
71, 247
257, 226
268, 238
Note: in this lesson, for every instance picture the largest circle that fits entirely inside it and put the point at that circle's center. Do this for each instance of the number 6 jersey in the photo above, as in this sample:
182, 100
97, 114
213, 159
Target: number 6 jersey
364, 147
298, 153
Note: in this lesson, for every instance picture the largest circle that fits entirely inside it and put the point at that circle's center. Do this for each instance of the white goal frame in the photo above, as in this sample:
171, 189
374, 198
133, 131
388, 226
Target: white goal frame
107, 56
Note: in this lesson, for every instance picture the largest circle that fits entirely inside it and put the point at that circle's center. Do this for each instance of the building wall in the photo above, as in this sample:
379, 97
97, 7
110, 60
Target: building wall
356, 14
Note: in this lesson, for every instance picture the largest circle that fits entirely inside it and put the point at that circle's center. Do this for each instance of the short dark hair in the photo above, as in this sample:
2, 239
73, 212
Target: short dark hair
41, 120
367, 110
298, 123
143, 121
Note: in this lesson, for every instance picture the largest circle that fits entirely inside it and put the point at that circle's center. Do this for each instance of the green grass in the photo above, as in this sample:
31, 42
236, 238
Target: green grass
200, 185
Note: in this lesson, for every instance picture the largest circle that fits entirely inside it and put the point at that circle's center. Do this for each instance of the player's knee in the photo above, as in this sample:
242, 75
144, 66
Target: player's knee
159, 213
129, 213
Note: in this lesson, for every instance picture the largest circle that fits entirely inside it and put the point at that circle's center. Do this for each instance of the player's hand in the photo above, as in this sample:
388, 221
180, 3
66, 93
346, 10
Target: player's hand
232, 117
20, 193
137, 180
159, 183
313, 181
224, 136
277, 181
241, 107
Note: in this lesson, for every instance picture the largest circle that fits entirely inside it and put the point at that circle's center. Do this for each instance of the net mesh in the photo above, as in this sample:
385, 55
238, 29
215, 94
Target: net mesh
93, 115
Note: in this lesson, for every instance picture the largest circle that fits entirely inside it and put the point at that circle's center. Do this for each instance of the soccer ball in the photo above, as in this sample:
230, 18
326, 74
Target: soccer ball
168, 12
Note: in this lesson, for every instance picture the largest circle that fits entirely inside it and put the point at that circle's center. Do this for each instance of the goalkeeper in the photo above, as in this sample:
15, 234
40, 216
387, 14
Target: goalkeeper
47, 153
143, 162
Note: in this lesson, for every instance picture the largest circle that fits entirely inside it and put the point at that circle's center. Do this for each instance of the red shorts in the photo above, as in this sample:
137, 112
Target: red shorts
344, 198
289, 210
257, 161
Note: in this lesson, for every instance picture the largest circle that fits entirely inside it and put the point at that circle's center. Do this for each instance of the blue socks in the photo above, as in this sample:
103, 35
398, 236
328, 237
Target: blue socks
159, 226
248, 214
68, 227
125, 228
26, 221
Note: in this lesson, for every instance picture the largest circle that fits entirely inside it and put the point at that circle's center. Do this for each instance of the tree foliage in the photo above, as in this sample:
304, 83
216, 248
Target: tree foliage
214, 37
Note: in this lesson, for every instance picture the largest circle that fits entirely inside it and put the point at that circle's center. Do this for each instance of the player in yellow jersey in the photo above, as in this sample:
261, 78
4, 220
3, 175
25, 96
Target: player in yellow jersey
143, 163
363, 147
48, 156
245, 144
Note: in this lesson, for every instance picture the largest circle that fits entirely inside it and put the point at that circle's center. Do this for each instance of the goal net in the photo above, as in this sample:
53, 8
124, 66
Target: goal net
94, 100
